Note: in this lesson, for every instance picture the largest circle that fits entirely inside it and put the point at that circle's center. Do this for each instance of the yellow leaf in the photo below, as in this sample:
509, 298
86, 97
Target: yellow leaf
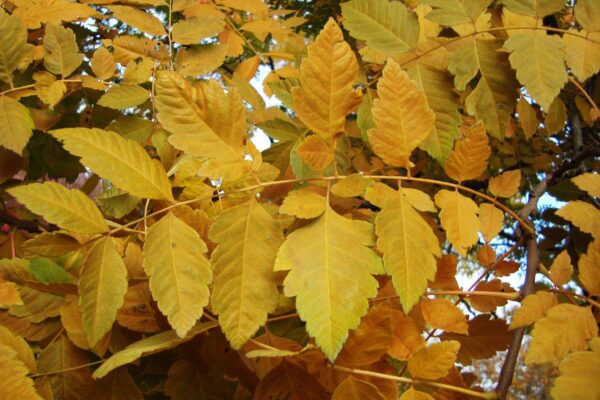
443, 314
387, 26
13, 373
125, 163
588, 182
556, 117
327, 75
123, 96
561, 269
103, 64
357, 389
63, 55
35, 12
247, 68
456, 12
435, 361
9, 294
14, 50
589, 268
527, 118
139, 72
70, 209
586, 12
200, 60
252, 6
175, 261
506, 184
583, 54
583, 215
193, 30
564, 329
245, 286
459, 218
412, 394
22, 351
534, 8
351, 186
409, 247
150, 345
315, 153
138, 19
128, 48
331, 266
533, 307
102, 285
578, 379
303, 203
469, 158
48, 89
491, 220
539, 61
16, 124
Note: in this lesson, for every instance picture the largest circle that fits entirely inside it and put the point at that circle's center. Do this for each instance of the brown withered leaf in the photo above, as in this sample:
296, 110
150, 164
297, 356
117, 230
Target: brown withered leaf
289, 381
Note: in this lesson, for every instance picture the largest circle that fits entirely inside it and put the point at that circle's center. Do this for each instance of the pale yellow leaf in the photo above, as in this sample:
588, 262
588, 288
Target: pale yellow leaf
139, 72
588, 182
434, 362
13, 373
353, 388
564, 329
491, 220
586, 13
315, 153
48, 89
506, 184
123, 96
533, 307
103, 64
175, 261
412, 394
35, 12
469, 159
578, 379
128, 48
138, 19
200, 60
589, 269
14, 50
21, 348
583, 54
331, 266
454, 12
70, 209
16, 124
102, 285
303, 203
459, 218
327, 75
561, 269
125, 163
583, 215
63, 56
193, 30
443, 314
252, 6
527, 118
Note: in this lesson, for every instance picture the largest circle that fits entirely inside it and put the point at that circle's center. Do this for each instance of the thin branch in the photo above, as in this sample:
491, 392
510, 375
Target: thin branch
60, 371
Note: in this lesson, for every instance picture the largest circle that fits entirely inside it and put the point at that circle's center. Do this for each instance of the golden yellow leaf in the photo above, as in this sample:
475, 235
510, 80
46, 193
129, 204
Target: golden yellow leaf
48, 89
459, 218
564, 329
71, 319
128, 48
412, 394
403, 119
586, 12
490, 303
200, 60
138, 314
583, 215
70, 209
407, 337
443, 314
16, 124
469, 158
315, 153
303, 203
102, 285
578, 379
506, 267
139, 72
63, 55
252, 6
331, 266
506, 184
124, 162
35, 12
103, 64
123, 96
491, 220
327, 75
588, 182
561, 269
9, 294
247, 68
533, 307
15, 382
589, 268
434, 362
486, 255
14, 50
583, 54
175, 261
193, 30
357, 389
351, 186
245, 286
556, 117
527, 118
138, 19
445, 277
22, 351
408, 244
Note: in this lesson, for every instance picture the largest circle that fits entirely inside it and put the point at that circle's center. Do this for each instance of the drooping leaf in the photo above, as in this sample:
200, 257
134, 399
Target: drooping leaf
578, 376
434, 362
491, 220
459, 217
588, 182
63, 54
327, 74
353, 388
14, 50
123, 96
403, 119
16, 124
175, 261
123, 161
469, 158
506, 184
138, 19
70, 209
303, 203
331, 266
533, 307
589, 268
443, 314
583, 215
193, 30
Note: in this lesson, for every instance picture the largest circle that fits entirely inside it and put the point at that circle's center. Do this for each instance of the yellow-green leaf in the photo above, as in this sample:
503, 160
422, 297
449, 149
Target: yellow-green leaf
588, 182
193, 30
443, 314
506, 184
331, 266
102, 286
387, 26
326, 95
459, 218
539, 61
123, 161
578, 379
303, 203
175, 261
16, 124
469, 158
138, 19
589, 268
403, 119
245, 286
123, 96
434, 362
561, 269
14, 50
583, 215
63, 54
70, 209
533, 307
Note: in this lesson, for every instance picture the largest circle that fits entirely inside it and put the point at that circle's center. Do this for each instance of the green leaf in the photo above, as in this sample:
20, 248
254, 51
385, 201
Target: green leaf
120, 160
47, 271
123, 96
245, 286
14, 50
70, 209
63, 54
331, 266
454, 12
102, 287
175, 260
16, 124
